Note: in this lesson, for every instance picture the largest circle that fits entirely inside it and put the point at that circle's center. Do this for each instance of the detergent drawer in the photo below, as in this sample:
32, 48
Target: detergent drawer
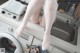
25, 39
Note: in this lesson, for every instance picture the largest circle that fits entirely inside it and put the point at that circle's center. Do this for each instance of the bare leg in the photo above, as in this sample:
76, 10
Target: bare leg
35, 17
33, 6
50, 9
42, 21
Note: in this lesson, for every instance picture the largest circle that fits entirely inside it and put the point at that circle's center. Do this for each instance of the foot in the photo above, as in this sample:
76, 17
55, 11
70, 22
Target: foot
42, 51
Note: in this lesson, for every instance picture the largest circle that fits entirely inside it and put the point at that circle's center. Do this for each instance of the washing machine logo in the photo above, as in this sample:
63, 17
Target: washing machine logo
2, 50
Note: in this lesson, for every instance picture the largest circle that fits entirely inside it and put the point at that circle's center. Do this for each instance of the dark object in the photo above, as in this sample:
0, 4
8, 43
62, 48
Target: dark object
3, 12
18, 0
32, 49
3, 1
35, 49
23, 2
7, 44
14, 17
42, 51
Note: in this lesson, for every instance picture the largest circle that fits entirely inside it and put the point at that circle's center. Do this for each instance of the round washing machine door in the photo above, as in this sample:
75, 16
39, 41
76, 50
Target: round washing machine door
9, 43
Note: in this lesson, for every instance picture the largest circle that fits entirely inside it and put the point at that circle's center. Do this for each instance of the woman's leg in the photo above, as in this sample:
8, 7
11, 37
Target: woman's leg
42, 21
33, 6
35, 17
50, 9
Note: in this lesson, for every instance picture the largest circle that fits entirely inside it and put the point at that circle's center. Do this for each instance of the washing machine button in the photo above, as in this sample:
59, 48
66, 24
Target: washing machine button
11, 29
3, 12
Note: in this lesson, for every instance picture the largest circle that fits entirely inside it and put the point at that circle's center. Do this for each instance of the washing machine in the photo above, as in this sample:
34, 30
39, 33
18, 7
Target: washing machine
9, 43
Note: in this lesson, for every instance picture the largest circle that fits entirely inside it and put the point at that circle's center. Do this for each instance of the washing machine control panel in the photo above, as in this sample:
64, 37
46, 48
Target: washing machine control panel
26, 39
24, 36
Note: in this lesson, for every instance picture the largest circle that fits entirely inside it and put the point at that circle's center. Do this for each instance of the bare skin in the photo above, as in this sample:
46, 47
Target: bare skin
50, 9
35, 17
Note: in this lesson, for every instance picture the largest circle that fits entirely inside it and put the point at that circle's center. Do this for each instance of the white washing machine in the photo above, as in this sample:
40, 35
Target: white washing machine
9, 43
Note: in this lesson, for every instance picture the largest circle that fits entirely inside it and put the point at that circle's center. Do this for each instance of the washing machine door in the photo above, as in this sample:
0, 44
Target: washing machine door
9, 43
